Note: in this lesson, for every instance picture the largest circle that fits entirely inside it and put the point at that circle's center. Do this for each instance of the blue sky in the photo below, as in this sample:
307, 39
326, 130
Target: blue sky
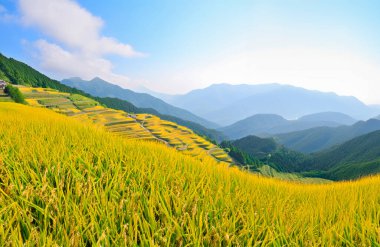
176, 46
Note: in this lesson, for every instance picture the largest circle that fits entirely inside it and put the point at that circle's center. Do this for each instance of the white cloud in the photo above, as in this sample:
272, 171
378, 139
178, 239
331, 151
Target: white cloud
54, 58
77, 47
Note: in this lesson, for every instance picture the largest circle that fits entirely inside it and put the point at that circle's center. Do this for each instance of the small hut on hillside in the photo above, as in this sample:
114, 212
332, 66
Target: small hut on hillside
2, 84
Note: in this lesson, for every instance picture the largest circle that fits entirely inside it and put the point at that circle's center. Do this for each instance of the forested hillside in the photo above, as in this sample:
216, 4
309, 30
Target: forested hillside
353, 159
317, 139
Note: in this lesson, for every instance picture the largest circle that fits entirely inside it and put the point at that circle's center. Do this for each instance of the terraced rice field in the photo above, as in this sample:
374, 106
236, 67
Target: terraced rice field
128, 125
68, 183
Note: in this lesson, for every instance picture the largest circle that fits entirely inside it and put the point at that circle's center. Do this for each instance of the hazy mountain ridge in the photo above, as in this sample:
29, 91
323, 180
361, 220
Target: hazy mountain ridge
199, 100
319, 138
353, 159
337, 117
226, 104
269, 124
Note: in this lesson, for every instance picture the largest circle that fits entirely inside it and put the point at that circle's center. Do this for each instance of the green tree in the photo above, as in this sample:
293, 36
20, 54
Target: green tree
15, 94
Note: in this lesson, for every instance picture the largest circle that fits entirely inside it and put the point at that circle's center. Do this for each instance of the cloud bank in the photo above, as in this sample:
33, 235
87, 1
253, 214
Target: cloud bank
76, 46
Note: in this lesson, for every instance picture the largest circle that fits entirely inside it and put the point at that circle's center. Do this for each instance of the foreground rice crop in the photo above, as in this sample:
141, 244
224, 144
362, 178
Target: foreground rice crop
63, 182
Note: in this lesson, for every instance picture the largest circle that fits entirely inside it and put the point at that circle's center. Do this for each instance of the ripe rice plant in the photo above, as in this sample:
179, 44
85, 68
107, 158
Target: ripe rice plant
70, 183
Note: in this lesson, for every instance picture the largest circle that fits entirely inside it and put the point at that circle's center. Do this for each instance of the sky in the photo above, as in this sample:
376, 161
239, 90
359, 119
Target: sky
176, 46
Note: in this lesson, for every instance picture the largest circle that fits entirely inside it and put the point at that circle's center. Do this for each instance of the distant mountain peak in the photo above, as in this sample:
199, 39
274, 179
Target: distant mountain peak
330, 116
96, 78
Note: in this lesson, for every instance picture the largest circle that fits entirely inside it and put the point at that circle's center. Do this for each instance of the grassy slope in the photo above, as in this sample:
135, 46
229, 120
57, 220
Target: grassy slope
69, 183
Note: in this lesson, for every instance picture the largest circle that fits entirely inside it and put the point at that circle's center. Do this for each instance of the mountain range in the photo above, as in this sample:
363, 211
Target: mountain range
319, 138
353, 159
225, 104
269, 124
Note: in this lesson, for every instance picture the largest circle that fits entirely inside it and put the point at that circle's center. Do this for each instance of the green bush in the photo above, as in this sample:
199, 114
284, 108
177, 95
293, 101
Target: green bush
15, 94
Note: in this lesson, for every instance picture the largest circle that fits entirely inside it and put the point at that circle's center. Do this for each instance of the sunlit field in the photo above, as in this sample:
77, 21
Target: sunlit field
128, 125
66, 182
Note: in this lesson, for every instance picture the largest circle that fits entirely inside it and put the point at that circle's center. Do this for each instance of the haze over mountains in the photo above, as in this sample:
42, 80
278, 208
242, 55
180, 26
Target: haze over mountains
226, 104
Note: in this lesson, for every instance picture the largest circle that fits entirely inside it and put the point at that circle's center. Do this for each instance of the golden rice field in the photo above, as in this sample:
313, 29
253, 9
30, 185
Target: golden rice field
70, 183
131, 126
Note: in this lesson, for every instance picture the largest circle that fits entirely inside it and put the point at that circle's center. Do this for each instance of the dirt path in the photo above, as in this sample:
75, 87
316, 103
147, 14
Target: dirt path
142, 126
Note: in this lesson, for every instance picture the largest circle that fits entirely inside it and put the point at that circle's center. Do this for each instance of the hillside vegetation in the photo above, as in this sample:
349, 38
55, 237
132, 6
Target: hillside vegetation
353, 159
253, 152
256, 146
15, 94
64, 183
138, 126
317, 139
